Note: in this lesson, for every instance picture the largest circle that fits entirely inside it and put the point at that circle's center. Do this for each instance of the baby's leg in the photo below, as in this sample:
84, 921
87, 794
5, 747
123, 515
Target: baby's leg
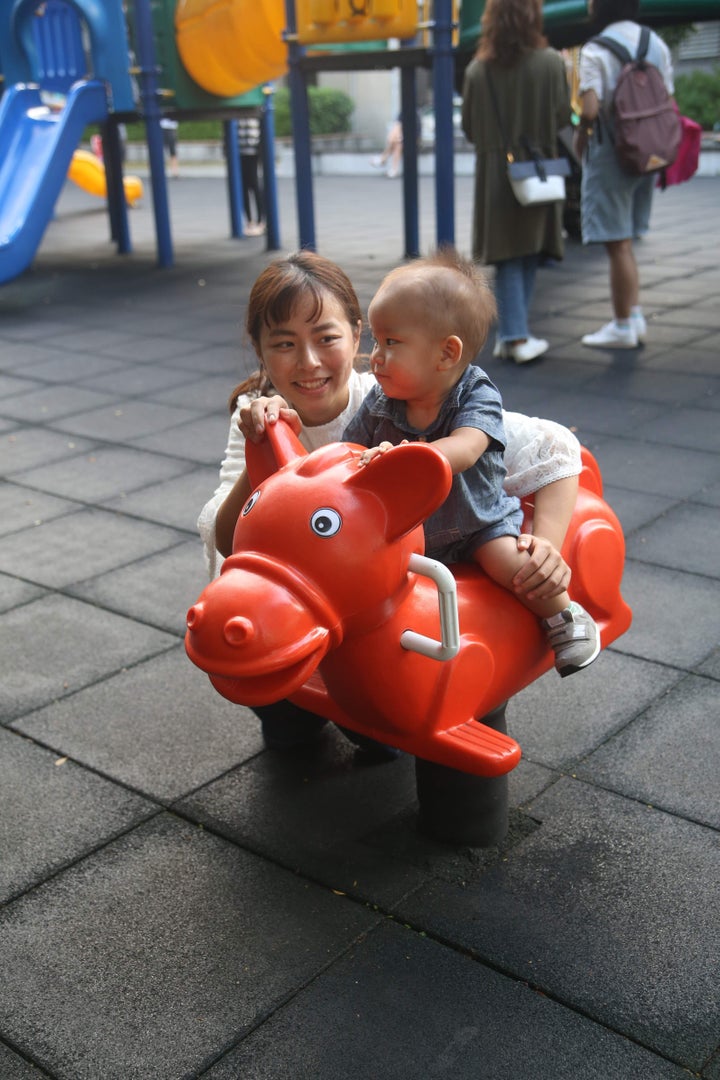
501, 560
570, 631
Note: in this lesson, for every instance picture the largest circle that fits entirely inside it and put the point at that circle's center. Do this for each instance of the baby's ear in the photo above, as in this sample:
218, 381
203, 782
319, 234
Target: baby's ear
452, 350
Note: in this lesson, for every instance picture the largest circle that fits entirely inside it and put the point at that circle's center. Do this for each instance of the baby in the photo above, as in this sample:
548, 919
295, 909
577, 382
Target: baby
429, 320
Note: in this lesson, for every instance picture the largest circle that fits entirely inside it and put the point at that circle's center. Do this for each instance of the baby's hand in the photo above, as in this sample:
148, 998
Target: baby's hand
263, 410
377, 451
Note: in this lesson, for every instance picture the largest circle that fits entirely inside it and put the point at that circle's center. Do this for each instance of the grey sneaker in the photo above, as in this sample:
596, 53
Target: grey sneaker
573, 635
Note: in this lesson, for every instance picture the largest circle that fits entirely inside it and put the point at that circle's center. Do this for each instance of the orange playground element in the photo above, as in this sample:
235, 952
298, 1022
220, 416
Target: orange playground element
329, 601
88, 172
338, 21
231, 46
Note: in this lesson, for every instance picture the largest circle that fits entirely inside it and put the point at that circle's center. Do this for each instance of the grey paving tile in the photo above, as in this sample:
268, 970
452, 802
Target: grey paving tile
52, 812
10, 385
149, 350
157, 590
663, 600
640, 466
599, 907
31, 447
176, 502
13, 1067
431, 1013
102, 473
558, 721
79, 546
54, 646
202, 441
209, 393
131, 380
634, 508
697, 429
56, 366
14, 592
159, 727
127, 420
152, 955
669, 542
51, 402
711, 666
316, 811
667, 757
22, 508
665, 387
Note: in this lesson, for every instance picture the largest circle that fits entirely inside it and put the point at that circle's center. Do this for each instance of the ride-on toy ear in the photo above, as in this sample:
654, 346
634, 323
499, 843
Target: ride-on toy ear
411, 481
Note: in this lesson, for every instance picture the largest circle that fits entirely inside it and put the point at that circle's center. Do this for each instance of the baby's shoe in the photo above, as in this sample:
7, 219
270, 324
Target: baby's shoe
574, 637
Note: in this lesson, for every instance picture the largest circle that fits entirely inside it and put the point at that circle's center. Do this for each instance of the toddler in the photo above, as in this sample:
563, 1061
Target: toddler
429, 320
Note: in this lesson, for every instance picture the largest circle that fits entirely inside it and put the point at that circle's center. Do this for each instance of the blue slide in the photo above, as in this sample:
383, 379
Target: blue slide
36, 148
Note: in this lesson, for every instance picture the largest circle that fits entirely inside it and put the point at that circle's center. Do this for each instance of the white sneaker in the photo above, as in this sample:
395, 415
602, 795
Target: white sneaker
612, 336
525, 351
377, 161
637, 321
499, 349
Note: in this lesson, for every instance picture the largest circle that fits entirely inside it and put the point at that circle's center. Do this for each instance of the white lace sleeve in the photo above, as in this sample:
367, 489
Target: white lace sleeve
232, 466
537, 453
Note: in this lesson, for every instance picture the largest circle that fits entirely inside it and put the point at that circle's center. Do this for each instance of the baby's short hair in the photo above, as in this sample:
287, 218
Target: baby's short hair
453, 294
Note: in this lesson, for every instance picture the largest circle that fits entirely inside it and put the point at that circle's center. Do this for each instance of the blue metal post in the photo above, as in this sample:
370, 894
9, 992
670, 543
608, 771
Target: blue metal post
409, 118
267, 146
443, 81
149, 88
300, 112
234, 178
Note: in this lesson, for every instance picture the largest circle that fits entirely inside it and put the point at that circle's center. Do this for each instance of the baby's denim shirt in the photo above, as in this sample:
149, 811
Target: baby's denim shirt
477, 508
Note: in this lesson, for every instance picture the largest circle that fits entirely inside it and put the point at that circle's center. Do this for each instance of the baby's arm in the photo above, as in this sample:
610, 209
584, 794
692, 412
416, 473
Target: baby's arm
463, 447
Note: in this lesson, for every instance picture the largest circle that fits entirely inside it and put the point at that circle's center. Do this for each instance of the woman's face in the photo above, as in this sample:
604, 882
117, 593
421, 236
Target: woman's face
309, 359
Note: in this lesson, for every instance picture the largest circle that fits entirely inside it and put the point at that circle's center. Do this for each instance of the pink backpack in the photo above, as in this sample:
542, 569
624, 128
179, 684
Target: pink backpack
686, 163
646, 128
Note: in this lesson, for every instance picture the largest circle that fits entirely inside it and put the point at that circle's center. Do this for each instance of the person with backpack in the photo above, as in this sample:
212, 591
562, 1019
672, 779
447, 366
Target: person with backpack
617, 187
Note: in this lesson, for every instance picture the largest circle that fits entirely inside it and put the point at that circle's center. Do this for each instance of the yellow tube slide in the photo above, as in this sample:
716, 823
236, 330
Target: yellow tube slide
231, 46
88, 172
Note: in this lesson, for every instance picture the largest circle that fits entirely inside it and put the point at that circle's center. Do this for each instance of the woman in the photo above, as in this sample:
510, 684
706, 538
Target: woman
304, 321
614, 206
531, 91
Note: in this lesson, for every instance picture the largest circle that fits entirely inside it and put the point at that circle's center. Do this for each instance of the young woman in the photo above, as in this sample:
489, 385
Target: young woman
515, 70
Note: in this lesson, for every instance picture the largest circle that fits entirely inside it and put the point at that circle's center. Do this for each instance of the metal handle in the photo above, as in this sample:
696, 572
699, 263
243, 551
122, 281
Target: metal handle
448, 647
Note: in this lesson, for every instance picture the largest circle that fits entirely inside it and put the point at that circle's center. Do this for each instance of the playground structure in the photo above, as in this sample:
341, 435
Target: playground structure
121, 60
328, 600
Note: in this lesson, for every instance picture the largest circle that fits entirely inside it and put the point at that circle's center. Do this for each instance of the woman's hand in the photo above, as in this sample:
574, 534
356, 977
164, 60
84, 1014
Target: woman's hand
546, 574
266, 410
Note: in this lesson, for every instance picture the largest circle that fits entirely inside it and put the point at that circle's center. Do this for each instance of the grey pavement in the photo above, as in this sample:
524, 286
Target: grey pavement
180, 902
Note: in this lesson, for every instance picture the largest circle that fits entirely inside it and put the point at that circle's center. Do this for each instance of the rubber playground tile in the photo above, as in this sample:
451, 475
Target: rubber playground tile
26, 448
158, 589
695, 428
52, 402
676, 616
152, 955
634, 509
14, 592
158, 727
13, 1067
151, 349
600, 908
57, 366
665, 541
53, 812
78, 546
101, 473
125, 420
314, 811
558, 721
711, 665
22, 508
667, 756
640, 466
400, 1005
643, 384
176, 502
133, 380
204, 395
200, 440
54, 646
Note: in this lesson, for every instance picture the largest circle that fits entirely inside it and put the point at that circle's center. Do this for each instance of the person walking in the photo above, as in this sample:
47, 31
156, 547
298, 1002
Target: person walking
516, 69
249, 133
614, 206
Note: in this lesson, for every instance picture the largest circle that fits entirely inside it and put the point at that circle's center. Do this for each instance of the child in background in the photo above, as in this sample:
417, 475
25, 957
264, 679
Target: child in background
429, 320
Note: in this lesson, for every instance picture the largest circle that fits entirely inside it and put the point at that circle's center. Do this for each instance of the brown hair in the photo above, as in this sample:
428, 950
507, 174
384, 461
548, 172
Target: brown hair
281, 286
511, 28
454, 293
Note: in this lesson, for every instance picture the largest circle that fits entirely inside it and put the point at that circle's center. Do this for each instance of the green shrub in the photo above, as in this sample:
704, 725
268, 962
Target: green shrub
698, 96
330, 111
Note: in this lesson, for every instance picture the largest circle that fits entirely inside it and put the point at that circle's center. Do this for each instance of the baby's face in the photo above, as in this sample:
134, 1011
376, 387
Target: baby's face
406, 350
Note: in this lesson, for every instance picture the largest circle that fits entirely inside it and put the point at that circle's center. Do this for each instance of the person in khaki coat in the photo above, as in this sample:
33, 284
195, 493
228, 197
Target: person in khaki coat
534, 102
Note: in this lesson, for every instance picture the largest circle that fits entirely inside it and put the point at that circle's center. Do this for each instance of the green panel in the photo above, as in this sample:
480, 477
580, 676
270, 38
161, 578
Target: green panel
185, 94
